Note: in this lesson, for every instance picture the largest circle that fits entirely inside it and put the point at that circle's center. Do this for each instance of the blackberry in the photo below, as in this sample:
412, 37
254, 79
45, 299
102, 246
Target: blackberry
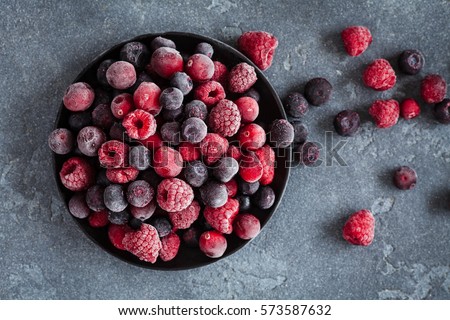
214, 194
225, 169
159, 42
296, 105
114, 198
300, 132
442, 111
79, 120
194, 130
247, 188
182, 81
94, 198
139, 157
196, 173
135, 53
318, 91
196, 108
205, 48
119, 218
411, 61
163, 226
101, 72
281, 133
171, 98
264, 198
170, 133
244, 202
347, 123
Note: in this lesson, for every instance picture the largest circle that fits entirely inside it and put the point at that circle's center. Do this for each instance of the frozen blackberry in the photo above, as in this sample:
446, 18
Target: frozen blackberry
140, 157
196, 108
247, 188
411, 61
94, 198
135, 53
163, 226
318, 91
205, 48
170, 133
114, 198
159, 42
191, 237
90, 139
281, 133
171, 98
347, 123
196, 173
119, 218
140, 193
296, 105
101, 72
225, 169
264, 198
79, 120
193, 130
182, 81
173, 115
135, 223
442, 111
300, 132
214, 194
244, 202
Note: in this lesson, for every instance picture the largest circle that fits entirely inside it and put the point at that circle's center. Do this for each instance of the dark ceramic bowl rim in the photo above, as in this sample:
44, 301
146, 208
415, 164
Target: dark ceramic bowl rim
222, 46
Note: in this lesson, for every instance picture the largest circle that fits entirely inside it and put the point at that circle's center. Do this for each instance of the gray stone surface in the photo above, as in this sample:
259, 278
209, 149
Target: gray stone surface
300, 253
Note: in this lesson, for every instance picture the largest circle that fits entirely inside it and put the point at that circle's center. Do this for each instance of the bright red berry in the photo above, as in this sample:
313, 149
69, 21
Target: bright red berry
232, 188
116, 233
379, 75
209, 93
234, 152
139, 124
356, 40
267, 157
174, 195
98, 219
185, 218
222, 218
246, 226
121, 105
225, 118
213, 244
189, 151
220, 73
78, 97
259, 46
167, 162
409, 108
77, 174
200, 67
251, 168
166, 62
360, 228
385, 113
251, 136
121, 75
169, 246
143, 243
113, 154
213, 147
249, 109
146, 97
122, 175
242, 77
153, 142
433, 88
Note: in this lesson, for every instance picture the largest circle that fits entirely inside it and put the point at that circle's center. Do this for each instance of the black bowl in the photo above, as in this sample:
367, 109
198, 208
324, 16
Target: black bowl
270, 108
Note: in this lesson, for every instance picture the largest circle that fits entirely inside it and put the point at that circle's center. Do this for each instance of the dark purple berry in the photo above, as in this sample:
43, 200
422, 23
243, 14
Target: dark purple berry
94, 198
300, 132
182, 81
101, 72
135, 53
140, 157
101, 97
79, 120
139, 193
281, 133
296, 105
195, 173
151, 177
170, 133
114, 198
78, 206
264, 198
171, 98
214, 194
205, 48
61, 141
163, 226
247, 188
90, 139
120, 217
244, 202
226, 168
102, 116
101, 179
142, 77
159, 42
307, 153
347, 123
193, 130
318, 91
143, 213
442, 111
252, 93
411, 61
405, 178
135, 223
118, 132
191, 237
196, 108
173, 115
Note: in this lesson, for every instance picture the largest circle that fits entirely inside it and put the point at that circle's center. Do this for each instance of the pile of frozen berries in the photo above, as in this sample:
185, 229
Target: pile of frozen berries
163, 149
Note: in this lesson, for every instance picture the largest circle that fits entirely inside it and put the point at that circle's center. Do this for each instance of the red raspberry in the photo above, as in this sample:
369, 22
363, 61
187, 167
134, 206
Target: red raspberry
242, 77
113, 154
144, 243
385, 113
267, 157
379, 75
246, 226
251, 136
213, 147
433, 88
166, 61
185, 218
167, 162
250, 168
98, 219
213, 244
78, 97
200, 67
174, 195
139, 124
249, 109
234, 152
189, 151
169, 246
77, 174
222, 218
259, 46
220, 73
356, 40
409, 108
209, 93
116, 233
225, 118
153, 142
359, 228
122, 175
146, 97
121, 75
232, 188
121, 105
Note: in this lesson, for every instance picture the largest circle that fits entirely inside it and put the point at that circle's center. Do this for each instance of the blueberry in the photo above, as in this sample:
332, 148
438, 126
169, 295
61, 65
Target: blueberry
101, 179
442, 111
94, 198
151, 177
140, 157
225, 169
300, 131
214, 194
318, 91
101, 72
170, 133
159, 42
173, 115
196, 173
405, 178
139, 193
135, 223
191, 237
182, 81
204, 48
248, 188
307, 153
135, 53
296, 105
411, 61
102, 116
193, 130
120, 217
264, 198
78, 207
90, 139
114, 198
252, 93
163, 226
196, 108
347, 123
171, 98
244, 202
281, 133
79, 120
61, 141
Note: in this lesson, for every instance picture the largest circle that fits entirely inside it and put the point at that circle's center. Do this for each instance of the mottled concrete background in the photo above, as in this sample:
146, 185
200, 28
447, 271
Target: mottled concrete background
300, 254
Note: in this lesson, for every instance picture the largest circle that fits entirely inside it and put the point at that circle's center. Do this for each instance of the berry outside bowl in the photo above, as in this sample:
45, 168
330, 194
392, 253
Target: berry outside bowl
271, 108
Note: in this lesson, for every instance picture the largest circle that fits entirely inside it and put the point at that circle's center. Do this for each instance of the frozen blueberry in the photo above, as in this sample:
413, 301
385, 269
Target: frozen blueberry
101, 72
172, 115
171, 98
135, 53
140, 193
318, 91
151, 177
247, 188
170, 133
281, 133
78, 207
135, 223
307, 153
204, 48
225, 169
264, 198
79, 120
191, 237
214, 194
102, 116
411, 61
120, 217
300, 132
196, 173
182, 81
159, 42
405, 178
244, 202
347, 123
296, 105
90, 139
61, 141
252, 93
442, 111
94, 198
163, 226
193, 130
114, 198
140, 157
196, 108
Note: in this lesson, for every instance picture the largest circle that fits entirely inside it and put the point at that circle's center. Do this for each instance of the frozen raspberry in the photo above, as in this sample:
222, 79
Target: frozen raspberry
405, 178
195, 173
139, 193
101, 72
167, 162
121, 75
411, 61
78, 97
185, 218
213, 147
307, 153
144, 213
409, 108
225, 118
433, 88
214, 194
191, 237
77, 174
78, 206
232, 188
222, 218
204, 48
153, 142
296, 105
144, 243
94, 198
193, 130
98, 219
61, 141
347, 123
166, 62
266, 156
139, 124
189, 151
241, 78
248, 108
318, 91
169, 246
196, 108
251, 137
182, 81
113, 154
209, 93
200, 67
174, 195
234, 152
246, 226
146, 97
220, 73
116, 233
122, 175
359, 228
356, 40
170, 133
121, 105
385, 113
89, 140
379, 75
442, 111
251, 168
264, 198
159, 42
135, 53
259, 46
213, 244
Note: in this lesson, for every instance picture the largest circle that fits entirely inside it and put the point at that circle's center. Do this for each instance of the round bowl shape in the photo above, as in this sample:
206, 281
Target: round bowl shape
270, 109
